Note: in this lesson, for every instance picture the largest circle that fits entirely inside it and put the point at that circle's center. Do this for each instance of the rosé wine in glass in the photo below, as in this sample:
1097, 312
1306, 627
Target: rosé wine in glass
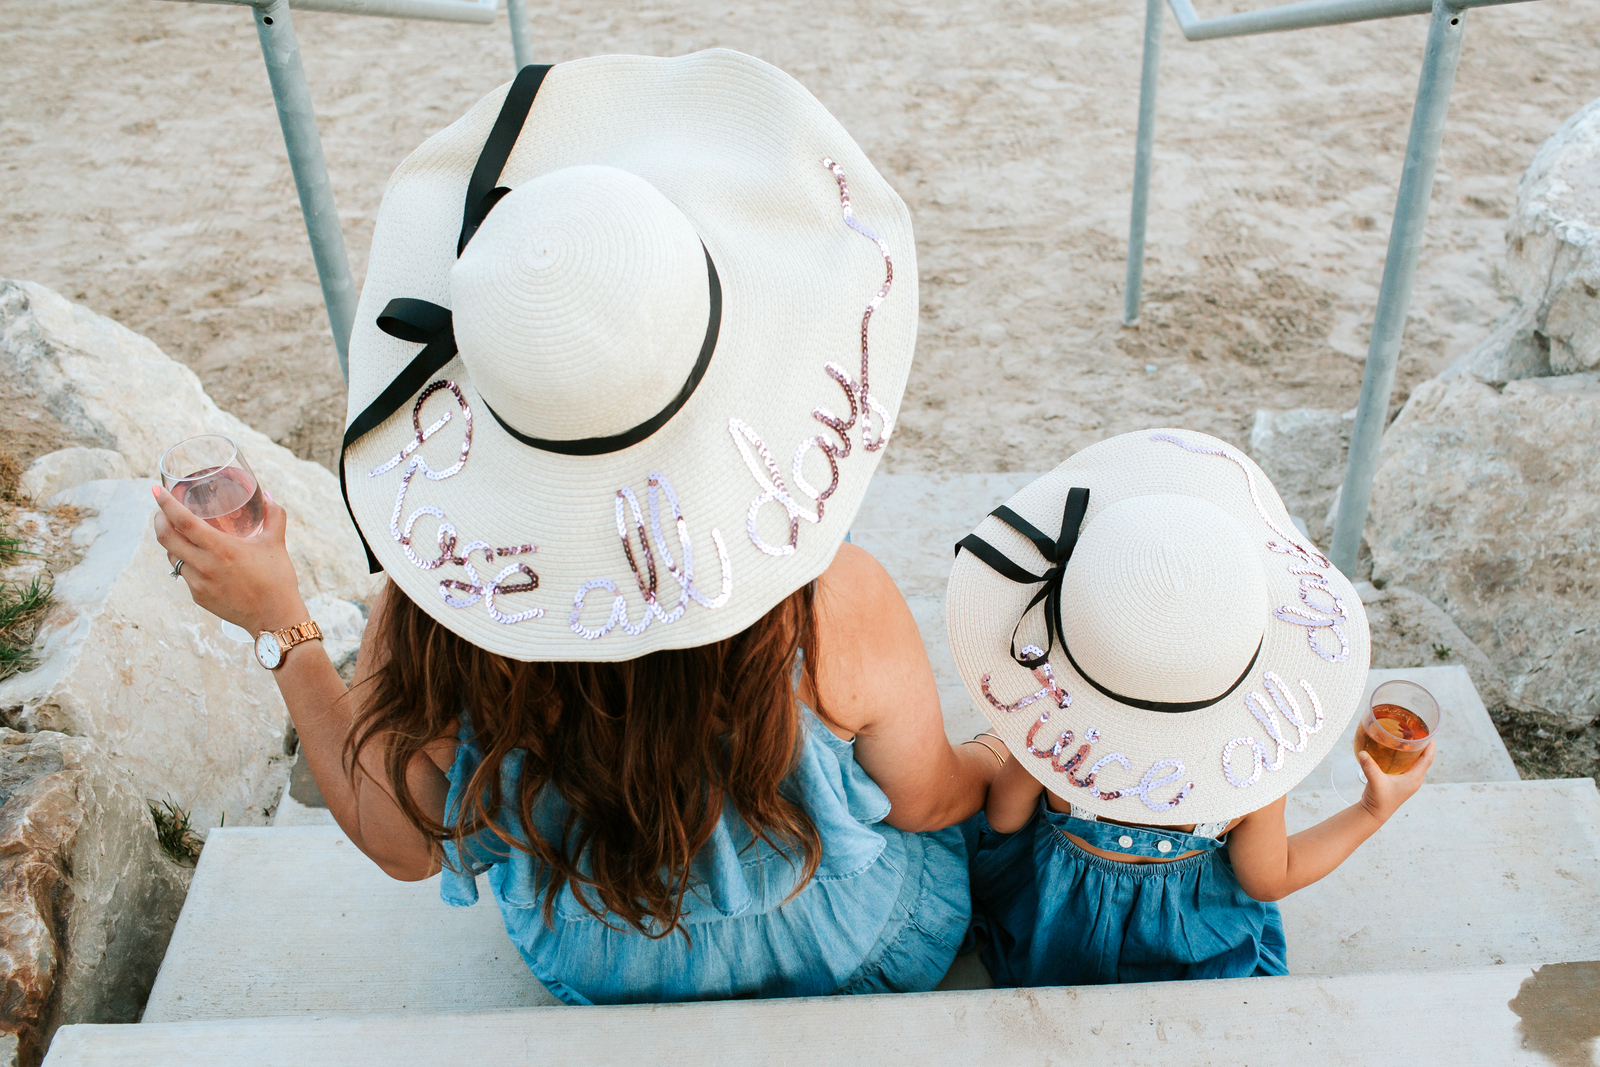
209, 476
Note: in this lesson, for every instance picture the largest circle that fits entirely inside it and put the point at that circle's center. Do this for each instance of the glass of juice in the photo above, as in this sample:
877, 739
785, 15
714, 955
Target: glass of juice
1400, 720
209, 476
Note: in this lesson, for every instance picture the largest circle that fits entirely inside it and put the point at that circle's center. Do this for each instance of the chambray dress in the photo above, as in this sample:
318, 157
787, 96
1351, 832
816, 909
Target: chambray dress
885, 912
1057, 915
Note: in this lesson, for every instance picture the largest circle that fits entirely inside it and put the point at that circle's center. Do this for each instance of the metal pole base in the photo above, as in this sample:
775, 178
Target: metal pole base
1399, 270
1143, 148
521, 39
281, 51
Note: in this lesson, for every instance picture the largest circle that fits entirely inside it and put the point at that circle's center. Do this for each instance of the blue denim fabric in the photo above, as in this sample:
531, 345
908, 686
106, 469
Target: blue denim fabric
1056, 915
884, 913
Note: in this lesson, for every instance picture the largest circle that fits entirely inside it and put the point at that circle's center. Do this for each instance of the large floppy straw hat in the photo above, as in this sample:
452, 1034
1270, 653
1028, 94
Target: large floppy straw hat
1151, 636
611, 388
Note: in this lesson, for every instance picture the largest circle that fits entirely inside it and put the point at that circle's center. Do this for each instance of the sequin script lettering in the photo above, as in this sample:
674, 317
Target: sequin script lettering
758, 458
652, 541
1319, 609
1286, 705
646, 577
475, 588
1151, 781
1046, 678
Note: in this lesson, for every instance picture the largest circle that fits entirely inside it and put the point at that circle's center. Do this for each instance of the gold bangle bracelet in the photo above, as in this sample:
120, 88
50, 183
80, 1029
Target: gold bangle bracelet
990, 733
990, 748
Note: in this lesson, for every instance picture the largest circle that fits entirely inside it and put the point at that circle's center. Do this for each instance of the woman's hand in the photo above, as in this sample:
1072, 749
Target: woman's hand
1386, 792
249, 581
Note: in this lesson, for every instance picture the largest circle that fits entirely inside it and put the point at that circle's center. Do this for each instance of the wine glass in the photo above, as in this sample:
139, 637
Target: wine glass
209, 476
1399, 721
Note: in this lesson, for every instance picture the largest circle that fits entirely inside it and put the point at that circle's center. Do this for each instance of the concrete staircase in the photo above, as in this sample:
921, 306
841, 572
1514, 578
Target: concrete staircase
294, 948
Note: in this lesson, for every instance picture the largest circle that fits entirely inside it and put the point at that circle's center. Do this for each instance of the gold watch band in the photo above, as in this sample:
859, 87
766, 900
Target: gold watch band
296, 635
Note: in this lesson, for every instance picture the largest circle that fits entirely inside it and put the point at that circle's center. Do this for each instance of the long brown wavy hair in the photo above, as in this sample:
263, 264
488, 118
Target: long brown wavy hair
645, 752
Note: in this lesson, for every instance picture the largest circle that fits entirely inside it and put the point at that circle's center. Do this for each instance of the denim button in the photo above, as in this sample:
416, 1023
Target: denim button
1125, 841
1163, 846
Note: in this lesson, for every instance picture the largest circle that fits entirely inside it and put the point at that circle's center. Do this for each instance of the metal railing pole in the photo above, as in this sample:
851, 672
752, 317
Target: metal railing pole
281, 51
521, 40
1144, 146
1399, 270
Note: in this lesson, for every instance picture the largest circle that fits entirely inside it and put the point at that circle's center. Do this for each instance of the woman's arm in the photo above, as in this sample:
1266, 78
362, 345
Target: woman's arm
251, 583
876, 682
1012, 798
1270, 865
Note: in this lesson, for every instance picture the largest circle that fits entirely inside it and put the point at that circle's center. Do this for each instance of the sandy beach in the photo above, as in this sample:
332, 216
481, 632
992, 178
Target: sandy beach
143, 173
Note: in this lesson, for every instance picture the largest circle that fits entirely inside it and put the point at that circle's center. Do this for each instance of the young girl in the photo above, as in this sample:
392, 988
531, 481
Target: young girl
1193, 660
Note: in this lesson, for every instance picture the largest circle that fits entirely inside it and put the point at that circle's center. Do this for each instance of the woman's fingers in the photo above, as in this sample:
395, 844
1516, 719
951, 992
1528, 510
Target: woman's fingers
177, 546
277, 522
184, 523
248, 581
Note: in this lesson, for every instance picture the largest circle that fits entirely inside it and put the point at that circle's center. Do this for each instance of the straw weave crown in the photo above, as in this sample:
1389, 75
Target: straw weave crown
631, 344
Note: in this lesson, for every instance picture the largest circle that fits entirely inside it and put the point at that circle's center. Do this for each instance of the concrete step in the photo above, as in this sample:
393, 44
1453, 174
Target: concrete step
295, 921
1464, 875
1505, 1016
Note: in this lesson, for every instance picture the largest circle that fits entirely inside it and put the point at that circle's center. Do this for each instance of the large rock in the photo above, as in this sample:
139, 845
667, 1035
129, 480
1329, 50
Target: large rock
71, 467
111, 388
1409, 630
1487, 502
87, 899
1514, 349
124, 656
1303, 452
172, 692
1553, 247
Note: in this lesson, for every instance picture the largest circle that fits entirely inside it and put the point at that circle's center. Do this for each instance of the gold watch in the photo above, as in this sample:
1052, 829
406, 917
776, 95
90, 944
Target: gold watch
273, 645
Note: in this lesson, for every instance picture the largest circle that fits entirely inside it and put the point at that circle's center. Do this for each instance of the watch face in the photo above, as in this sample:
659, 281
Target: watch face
268, 651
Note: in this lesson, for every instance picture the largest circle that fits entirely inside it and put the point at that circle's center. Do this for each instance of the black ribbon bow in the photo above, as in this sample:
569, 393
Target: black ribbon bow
419, 320
1057, 553
433, 326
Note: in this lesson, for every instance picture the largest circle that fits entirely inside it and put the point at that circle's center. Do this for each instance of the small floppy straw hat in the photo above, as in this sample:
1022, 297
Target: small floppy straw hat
1151, 636
611, 388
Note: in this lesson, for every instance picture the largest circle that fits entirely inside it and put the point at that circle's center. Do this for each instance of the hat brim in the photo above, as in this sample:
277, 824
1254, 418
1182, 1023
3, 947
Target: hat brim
737, 146
1147, 759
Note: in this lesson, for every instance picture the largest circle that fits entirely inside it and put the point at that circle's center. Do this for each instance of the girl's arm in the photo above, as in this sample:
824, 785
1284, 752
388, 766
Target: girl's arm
1012, 798
876, 682
1270, 865
251, 583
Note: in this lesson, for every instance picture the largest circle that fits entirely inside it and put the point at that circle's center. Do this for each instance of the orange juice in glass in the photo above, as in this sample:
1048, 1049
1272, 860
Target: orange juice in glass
1398, 723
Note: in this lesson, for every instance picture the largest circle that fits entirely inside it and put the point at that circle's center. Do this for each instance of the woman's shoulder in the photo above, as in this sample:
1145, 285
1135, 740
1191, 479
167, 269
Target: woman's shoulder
858, 604
857, 573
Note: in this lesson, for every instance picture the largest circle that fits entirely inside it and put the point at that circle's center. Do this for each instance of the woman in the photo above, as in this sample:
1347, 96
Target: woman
682, 784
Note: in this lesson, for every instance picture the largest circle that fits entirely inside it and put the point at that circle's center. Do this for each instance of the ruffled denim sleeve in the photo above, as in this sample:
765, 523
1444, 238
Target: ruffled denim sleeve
842, 801
463, 862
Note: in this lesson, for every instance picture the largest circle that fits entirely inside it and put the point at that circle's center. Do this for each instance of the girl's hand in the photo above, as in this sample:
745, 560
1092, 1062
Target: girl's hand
250, 582
1386, 792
